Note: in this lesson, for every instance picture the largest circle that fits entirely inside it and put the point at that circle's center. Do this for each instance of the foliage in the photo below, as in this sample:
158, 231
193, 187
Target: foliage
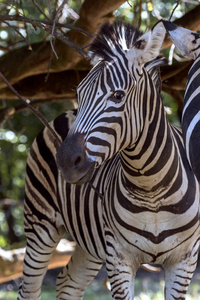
145, 13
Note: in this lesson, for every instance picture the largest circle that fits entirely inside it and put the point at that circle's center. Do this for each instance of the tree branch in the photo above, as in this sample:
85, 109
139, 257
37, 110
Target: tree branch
35, 111
59, 85
42, 24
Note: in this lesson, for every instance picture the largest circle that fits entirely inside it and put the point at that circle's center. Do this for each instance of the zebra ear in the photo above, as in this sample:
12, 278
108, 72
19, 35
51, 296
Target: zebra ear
148, 46
187, 41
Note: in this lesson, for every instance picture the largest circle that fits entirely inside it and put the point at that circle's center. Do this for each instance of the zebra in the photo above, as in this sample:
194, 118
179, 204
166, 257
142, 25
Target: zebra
120, 184
188, 43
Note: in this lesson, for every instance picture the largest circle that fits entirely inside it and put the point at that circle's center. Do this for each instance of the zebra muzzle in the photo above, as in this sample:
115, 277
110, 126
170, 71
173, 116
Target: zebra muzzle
72, 160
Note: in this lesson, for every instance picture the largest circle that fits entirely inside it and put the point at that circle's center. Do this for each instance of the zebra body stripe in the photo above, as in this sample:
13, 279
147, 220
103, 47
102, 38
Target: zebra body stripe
120, 184
189, 46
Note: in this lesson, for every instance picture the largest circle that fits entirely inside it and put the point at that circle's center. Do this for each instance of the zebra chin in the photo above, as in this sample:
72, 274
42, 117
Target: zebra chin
78, 178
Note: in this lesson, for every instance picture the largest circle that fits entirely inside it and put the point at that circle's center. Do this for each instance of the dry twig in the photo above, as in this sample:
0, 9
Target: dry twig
35, 111
40, 10
54, 25
42, 24
49, 26
129, 3
155, 12
18, 32
175, 7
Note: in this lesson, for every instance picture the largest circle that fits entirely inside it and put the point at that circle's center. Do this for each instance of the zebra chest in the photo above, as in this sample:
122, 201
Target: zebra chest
150, 236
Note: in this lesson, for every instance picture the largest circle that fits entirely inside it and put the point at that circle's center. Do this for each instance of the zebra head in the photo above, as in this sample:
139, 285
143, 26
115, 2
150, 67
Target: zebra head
110, 102
187, 41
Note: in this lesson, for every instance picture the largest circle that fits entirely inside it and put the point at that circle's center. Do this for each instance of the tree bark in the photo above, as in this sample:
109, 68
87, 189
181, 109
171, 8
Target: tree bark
58, 85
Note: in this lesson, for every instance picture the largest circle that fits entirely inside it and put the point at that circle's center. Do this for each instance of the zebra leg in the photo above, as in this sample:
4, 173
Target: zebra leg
42, 240
121, 268
75, 277
121, 275
121, 279
178, 276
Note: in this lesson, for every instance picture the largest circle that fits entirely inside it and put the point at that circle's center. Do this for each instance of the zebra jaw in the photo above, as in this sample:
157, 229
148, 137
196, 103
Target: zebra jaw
72, 161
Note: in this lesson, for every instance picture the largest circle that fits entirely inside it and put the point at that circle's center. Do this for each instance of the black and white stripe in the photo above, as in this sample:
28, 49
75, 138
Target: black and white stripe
188, 43
124, 191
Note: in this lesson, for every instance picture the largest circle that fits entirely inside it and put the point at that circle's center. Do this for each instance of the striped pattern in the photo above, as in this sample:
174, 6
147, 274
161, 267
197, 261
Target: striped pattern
188, 43
141, 202
191, 117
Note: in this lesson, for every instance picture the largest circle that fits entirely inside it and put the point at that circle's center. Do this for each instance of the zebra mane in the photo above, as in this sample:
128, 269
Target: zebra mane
112, 39
153, 68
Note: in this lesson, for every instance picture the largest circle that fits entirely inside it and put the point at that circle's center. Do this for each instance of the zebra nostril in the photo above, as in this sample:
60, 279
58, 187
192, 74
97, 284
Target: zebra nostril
78, 161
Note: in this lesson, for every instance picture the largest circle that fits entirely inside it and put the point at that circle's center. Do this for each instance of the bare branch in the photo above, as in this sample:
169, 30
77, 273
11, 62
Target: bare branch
67, 41
40, 10
42, 23
36, 112
53, 27
155, 12
18, 32
129, 3
59, 85
8, 112
175, 7
46, 25
140, 14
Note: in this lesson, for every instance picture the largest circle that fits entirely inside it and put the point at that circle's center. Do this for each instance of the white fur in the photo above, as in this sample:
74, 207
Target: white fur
152, 41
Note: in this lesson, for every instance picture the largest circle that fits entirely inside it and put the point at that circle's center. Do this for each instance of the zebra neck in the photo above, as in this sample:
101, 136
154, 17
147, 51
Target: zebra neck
152, 164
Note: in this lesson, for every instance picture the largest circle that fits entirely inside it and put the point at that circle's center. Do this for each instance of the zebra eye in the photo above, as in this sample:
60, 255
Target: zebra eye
117, 96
